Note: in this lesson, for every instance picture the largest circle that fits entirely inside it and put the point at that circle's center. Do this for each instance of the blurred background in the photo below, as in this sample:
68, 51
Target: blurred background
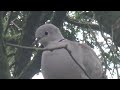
98, 29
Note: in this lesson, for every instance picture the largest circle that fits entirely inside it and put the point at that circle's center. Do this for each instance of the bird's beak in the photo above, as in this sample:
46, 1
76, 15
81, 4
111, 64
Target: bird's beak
36, 41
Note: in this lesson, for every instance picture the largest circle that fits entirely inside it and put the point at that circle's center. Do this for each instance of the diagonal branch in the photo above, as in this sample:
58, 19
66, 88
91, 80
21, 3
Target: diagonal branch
77, 63
25, 69
16, 25
8, 21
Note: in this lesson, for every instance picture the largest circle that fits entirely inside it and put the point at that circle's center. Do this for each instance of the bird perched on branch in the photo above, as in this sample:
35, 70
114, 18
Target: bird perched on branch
68, 59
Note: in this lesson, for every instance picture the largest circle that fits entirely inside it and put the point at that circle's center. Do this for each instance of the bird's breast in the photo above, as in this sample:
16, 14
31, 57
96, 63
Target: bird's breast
59, 64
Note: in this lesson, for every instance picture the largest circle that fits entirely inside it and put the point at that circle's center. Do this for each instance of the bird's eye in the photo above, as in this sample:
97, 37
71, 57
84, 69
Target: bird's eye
46, 33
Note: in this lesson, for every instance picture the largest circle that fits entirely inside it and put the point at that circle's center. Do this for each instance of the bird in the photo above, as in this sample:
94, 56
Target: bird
75, 61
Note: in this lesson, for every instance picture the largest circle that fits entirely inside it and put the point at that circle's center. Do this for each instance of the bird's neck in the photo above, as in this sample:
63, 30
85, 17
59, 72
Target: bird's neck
54, 41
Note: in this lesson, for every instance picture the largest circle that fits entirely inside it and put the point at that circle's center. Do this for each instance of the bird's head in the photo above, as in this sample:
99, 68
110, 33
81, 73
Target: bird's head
47, 33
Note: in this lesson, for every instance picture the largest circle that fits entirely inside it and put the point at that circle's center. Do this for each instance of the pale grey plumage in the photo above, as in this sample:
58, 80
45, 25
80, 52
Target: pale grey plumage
58, 64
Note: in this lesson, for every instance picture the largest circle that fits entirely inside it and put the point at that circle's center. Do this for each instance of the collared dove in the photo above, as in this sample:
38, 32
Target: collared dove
77, 61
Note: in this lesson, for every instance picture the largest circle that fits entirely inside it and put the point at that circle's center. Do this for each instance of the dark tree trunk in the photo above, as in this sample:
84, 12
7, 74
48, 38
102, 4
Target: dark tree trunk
34, 66
23, 56
58, 18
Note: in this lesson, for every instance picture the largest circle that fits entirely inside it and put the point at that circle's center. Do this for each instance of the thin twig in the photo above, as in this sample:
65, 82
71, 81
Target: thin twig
43, 49
108, 46
117, 71
78, 63
99, 48
113, 69
19, 46
34, 48
15, 24
111, 74
8, 21
22, 72
111, 52
12, 65
83, 25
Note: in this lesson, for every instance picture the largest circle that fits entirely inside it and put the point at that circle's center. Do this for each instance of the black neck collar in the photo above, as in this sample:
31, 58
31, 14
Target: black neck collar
61, 39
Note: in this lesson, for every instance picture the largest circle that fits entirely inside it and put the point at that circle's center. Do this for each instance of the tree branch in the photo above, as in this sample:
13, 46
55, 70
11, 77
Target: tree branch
77, 63
16, 25
51, 48
25, 69
82, 25
34, 48
8, 21
93, 34
117, 71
